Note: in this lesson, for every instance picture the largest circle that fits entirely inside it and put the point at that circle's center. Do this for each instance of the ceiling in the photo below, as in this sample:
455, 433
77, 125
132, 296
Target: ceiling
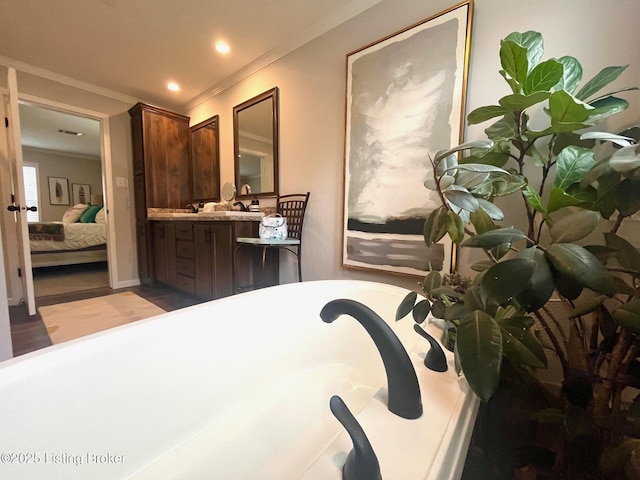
130, 49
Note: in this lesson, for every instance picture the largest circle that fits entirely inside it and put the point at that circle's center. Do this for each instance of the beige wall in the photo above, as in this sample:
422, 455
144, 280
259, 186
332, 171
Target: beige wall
312, 92
312, 89
87, 171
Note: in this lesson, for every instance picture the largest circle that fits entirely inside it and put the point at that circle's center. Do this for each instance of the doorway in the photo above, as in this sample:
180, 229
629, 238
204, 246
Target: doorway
63, 150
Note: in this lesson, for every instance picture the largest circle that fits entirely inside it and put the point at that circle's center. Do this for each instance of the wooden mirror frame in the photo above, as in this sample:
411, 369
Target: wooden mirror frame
272, 95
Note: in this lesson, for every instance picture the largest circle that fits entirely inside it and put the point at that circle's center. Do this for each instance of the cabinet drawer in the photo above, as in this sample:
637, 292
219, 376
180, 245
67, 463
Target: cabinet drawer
186, 284
184, 249
185, 267
184, 231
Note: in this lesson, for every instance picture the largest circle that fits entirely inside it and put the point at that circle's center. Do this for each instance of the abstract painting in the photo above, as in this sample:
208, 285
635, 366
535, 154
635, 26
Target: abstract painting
405, 100
81, 193
58, 191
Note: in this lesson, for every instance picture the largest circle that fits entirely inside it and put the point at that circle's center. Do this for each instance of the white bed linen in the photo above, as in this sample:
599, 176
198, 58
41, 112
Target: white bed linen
76, 236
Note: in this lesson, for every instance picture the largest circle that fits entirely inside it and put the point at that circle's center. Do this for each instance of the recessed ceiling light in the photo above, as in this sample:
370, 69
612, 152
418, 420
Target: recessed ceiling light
222, 47
174, 87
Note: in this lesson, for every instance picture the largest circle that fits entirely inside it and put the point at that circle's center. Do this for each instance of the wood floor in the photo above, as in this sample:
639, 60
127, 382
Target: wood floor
29, 333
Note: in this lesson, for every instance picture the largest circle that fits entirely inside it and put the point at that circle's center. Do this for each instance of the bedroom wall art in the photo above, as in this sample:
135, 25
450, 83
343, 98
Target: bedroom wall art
58, 191
81, 193
405, 100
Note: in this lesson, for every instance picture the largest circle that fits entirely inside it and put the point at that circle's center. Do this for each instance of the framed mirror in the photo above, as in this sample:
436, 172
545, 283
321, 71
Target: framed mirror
205, 160
255, 145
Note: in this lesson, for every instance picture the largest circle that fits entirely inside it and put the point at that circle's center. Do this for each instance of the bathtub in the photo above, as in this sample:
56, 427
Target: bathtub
236, 388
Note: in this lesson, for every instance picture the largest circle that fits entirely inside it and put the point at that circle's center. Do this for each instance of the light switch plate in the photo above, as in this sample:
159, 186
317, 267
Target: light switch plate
121, 182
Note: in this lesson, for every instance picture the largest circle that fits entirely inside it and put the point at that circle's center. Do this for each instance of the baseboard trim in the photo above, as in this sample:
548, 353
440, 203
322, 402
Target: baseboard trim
127, 283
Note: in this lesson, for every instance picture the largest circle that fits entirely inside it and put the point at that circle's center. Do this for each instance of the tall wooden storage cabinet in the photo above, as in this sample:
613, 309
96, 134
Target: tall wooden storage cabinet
161, 169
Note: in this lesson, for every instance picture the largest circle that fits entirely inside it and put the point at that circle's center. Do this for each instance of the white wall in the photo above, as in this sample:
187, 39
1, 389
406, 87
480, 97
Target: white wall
312, 92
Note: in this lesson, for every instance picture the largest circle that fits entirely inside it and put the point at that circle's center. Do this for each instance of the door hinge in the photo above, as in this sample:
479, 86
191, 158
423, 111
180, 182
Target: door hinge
6, 122
19, 272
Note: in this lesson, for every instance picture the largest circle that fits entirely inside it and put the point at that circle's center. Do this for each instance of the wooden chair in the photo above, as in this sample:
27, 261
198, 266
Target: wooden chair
293, 207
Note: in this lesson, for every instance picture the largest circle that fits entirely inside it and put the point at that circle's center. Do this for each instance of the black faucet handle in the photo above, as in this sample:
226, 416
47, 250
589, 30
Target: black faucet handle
362, 462
434, 359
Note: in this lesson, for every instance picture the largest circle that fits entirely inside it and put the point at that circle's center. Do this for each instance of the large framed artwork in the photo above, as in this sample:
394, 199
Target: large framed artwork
81, 193
58, 191
405, 100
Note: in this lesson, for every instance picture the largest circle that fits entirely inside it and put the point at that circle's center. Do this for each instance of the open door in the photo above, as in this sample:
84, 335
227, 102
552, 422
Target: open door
17, 203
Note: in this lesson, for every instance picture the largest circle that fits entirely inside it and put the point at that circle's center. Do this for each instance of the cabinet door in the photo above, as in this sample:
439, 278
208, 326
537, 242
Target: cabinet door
164, 251
203, 260
213, 259
167, 160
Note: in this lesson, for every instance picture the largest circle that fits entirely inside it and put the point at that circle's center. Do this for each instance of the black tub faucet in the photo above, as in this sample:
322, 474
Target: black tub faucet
404, 390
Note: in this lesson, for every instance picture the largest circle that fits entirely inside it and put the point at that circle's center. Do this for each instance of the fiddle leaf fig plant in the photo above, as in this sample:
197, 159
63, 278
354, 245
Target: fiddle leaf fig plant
572, 183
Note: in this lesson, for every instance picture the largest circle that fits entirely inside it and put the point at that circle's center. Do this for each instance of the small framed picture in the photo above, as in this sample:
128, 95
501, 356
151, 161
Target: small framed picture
59, 191
81, 193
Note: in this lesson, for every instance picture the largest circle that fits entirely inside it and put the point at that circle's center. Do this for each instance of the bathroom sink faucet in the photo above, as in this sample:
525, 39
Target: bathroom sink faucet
404, 390
243, 207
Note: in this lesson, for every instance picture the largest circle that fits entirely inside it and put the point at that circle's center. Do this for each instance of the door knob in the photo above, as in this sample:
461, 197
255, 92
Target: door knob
16, 208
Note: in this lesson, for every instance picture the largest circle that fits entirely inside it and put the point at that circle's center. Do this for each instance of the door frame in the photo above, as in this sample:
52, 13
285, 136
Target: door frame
106, 167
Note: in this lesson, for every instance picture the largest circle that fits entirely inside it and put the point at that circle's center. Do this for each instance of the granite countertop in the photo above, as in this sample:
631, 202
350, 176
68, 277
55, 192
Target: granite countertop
221, 215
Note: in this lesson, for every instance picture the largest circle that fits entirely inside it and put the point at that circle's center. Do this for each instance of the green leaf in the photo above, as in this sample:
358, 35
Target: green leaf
517, 102
532, 42
628, 315
406, 305
574, 226
550, 416
586, 304
573, 163
494, 212
481, 221
601, 80
432, 281
521, 346
471, 179
506, 280
502, 130
627, 196
479, 350
541, 284
445, 163
513, 59
564, 108
473, 298
543, 77
494, 238
533, 199
462, 199
605, 107
571, 74
483, 114
619, 140
626, 254
421, 311
435, 226
455, 227
581, 266
482, 266
479, 144
626, 159
559, 199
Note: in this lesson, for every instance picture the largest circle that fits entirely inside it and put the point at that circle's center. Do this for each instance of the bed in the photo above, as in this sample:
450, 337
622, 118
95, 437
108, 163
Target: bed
59, 243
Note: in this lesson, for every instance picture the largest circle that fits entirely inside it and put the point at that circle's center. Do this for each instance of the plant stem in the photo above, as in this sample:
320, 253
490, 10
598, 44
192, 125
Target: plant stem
556, 344
603, 391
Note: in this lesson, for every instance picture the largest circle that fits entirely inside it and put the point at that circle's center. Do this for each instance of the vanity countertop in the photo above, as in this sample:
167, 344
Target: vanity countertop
221, 215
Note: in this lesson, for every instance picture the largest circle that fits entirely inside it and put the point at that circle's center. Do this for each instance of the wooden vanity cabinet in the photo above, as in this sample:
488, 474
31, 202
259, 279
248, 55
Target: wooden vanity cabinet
213, 243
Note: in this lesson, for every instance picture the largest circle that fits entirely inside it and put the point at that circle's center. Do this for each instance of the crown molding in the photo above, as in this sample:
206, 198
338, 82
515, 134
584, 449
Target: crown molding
64, 80
61, 153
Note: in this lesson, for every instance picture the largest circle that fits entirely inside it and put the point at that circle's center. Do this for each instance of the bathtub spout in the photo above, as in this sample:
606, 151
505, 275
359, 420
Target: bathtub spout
404, 390
362, 462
